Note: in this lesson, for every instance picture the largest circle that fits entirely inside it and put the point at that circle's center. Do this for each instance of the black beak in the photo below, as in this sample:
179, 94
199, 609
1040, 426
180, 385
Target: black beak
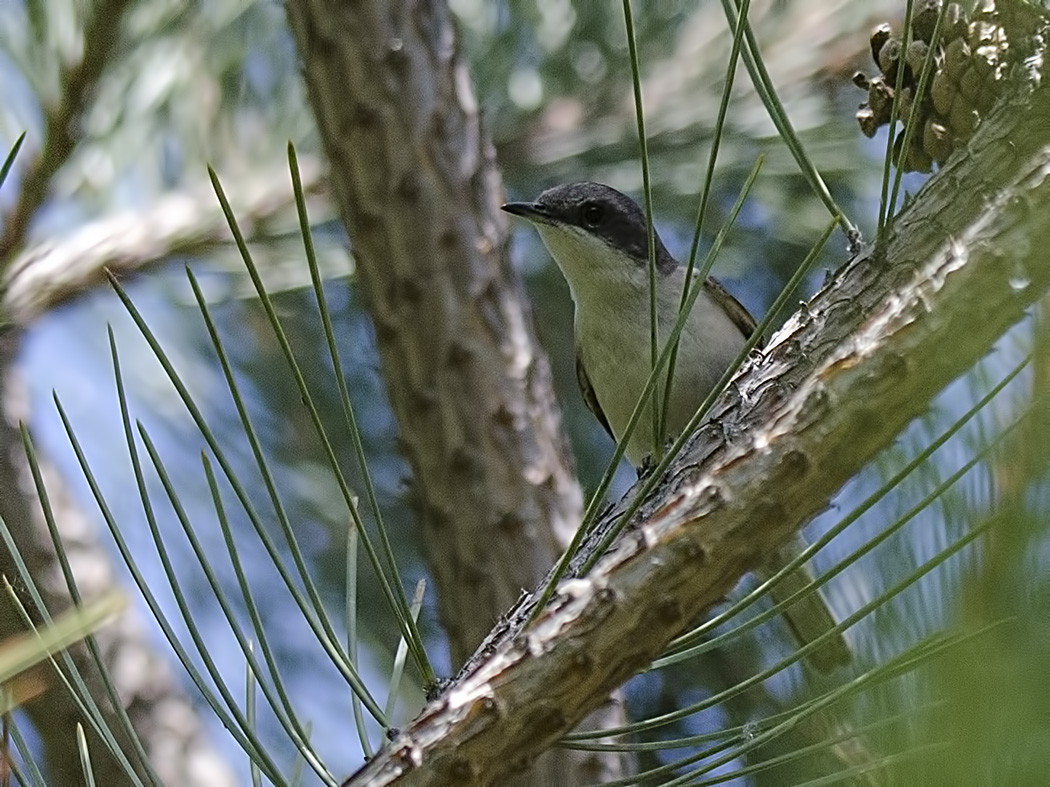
532, 211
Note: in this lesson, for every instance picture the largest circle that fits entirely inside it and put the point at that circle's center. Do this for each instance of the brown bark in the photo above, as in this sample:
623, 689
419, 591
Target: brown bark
419, 193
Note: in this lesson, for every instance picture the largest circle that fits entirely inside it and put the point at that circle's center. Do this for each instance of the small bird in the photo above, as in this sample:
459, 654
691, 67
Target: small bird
599, 239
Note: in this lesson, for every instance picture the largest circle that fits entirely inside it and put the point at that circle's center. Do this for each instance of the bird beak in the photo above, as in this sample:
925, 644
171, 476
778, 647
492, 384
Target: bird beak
532, 211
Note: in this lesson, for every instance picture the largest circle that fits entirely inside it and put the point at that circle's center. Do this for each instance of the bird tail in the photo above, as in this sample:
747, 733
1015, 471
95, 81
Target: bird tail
809, 616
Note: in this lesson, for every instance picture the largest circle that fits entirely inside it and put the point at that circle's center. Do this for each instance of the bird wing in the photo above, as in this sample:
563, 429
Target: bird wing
734, 309
590, 398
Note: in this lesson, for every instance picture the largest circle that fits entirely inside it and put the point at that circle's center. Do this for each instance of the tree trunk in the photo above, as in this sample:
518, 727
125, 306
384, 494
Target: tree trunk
414, 177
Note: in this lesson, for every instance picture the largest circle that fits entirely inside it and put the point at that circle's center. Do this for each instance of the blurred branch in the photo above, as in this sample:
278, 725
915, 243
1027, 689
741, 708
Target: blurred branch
833, 387
55, 271
62, 120
175, 742
805, 47
52, 272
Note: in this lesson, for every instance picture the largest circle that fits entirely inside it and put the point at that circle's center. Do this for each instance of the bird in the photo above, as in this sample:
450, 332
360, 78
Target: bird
599, 239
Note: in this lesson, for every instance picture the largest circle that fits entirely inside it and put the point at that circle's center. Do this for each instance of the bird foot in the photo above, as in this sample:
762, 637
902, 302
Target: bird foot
646, 467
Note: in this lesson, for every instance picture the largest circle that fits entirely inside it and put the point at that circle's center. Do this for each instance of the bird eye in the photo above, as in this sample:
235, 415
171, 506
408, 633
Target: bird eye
592, 214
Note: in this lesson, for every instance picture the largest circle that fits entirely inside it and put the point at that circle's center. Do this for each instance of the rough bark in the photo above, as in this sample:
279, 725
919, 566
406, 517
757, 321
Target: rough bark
414, 177
418, 191
834, 386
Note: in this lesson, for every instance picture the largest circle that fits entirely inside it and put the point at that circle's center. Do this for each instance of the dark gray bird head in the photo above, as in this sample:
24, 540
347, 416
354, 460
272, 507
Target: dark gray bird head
593, 231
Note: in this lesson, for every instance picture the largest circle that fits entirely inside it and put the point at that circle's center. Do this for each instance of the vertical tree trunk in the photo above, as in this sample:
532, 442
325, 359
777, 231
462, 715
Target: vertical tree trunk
417, 187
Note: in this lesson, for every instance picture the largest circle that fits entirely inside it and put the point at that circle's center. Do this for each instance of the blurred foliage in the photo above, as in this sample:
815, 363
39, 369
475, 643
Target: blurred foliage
218, 82
189, 83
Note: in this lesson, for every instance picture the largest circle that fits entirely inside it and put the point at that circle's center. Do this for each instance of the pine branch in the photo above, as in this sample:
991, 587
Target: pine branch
183, 222
62, 120
175, 741
834, 387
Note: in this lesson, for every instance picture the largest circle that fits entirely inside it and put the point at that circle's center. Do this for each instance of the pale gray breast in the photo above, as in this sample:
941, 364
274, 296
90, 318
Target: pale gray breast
615, 352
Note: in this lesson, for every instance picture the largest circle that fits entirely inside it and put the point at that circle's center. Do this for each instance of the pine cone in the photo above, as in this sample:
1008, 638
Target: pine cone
966, 76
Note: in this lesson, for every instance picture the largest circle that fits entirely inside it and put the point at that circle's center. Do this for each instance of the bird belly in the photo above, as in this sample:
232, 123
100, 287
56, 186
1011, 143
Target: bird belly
618, 372
617, 357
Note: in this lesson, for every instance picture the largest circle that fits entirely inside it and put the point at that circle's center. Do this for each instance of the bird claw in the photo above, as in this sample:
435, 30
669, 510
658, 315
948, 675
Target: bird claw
649, 461
646, 467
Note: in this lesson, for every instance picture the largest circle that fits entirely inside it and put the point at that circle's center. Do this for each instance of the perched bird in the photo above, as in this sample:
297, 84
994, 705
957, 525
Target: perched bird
598, 237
